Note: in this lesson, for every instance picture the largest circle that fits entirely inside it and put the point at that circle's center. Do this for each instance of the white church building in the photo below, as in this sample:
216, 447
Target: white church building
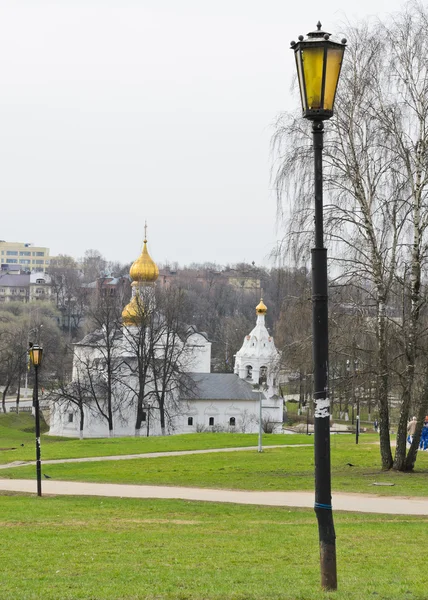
213, 401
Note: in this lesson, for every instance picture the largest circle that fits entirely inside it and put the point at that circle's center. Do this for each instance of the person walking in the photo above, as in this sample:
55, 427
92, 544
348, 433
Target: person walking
423, 444
411, 428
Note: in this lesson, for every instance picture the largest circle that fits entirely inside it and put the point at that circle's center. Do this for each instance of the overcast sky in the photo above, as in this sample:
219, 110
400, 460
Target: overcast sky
113, 112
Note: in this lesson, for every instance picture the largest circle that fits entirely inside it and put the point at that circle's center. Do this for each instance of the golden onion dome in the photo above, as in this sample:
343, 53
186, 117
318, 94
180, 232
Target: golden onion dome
144, 269
261, 308
133, 313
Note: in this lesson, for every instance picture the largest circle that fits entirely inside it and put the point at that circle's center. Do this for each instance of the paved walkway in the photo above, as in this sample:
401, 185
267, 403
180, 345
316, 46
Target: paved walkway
20, 463
345, 502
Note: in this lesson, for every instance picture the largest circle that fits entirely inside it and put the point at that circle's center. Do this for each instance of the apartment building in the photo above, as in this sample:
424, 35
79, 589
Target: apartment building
22, 255
25, 287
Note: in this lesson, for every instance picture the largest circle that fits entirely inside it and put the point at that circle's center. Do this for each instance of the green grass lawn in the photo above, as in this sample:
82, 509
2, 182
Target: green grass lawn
19, 429
123, 549
274, 469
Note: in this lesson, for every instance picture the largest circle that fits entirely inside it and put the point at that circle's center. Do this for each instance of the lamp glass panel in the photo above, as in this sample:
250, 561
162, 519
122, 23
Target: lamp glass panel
36, 356
300, 76
334, 61
313, 64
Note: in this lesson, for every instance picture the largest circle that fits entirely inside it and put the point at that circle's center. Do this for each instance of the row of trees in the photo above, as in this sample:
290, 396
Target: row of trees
224, 310
376, 160
21, 324
199, 295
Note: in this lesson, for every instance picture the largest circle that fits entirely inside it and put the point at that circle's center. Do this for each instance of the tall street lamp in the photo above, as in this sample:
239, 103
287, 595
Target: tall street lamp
318, 62
36, 353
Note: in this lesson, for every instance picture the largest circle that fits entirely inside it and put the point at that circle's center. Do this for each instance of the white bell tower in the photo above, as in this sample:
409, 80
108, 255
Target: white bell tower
258, 359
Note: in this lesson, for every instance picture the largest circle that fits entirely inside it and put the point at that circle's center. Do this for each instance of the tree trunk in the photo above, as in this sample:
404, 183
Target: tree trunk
162, 415
385, 440
18, 394
82, 422
140, 411
3, 401
109, 407
401, 445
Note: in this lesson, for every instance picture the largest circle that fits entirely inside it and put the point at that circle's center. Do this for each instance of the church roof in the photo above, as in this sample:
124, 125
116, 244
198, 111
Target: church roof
96, 338
220, 386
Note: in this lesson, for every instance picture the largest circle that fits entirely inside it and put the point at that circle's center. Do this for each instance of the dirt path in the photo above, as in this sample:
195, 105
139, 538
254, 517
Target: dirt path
346, 502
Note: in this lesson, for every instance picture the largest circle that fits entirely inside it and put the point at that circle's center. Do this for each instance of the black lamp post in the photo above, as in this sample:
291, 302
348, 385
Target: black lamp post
36, 353
318, 61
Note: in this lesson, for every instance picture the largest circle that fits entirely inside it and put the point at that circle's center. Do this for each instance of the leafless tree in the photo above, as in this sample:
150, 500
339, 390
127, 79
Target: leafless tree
79, 394
94, 265
157, 355
171, 356
140, 337
70, 296
101, 365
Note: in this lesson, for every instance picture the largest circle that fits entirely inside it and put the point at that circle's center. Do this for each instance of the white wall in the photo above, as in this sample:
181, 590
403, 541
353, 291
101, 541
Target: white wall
246, 413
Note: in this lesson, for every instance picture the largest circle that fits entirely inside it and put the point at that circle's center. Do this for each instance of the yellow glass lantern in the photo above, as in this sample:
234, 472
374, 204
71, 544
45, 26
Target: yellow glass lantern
36, 353
318, 62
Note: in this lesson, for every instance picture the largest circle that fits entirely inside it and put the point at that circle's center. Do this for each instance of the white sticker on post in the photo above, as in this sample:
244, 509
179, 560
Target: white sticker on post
322, 408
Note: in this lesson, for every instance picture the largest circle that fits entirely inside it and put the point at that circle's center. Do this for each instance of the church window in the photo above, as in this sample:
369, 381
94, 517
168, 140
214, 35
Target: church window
70, 417
211, 421
190, 421
232, 421
144, 417
249, 372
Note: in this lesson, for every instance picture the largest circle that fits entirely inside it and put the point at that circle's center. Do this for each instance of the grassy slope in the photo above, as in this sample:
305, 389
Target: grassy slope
105, 549
16, 430
274, 469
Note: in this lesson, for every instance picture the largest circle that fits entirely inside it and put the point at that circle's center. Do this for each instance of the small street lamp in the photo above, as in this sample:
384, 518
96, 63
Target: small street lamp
318, 62
36, 353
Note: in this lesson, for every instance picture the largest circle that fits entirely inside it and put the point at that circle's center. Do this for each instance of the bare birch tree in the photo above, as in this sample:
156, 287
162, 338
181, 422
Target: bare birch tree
375, 173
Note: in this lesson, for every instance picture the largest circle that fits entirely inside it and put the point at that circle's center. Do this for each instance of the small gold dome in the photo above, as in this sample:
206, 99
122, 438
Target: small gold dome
133, 313
144, 269
261, 308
